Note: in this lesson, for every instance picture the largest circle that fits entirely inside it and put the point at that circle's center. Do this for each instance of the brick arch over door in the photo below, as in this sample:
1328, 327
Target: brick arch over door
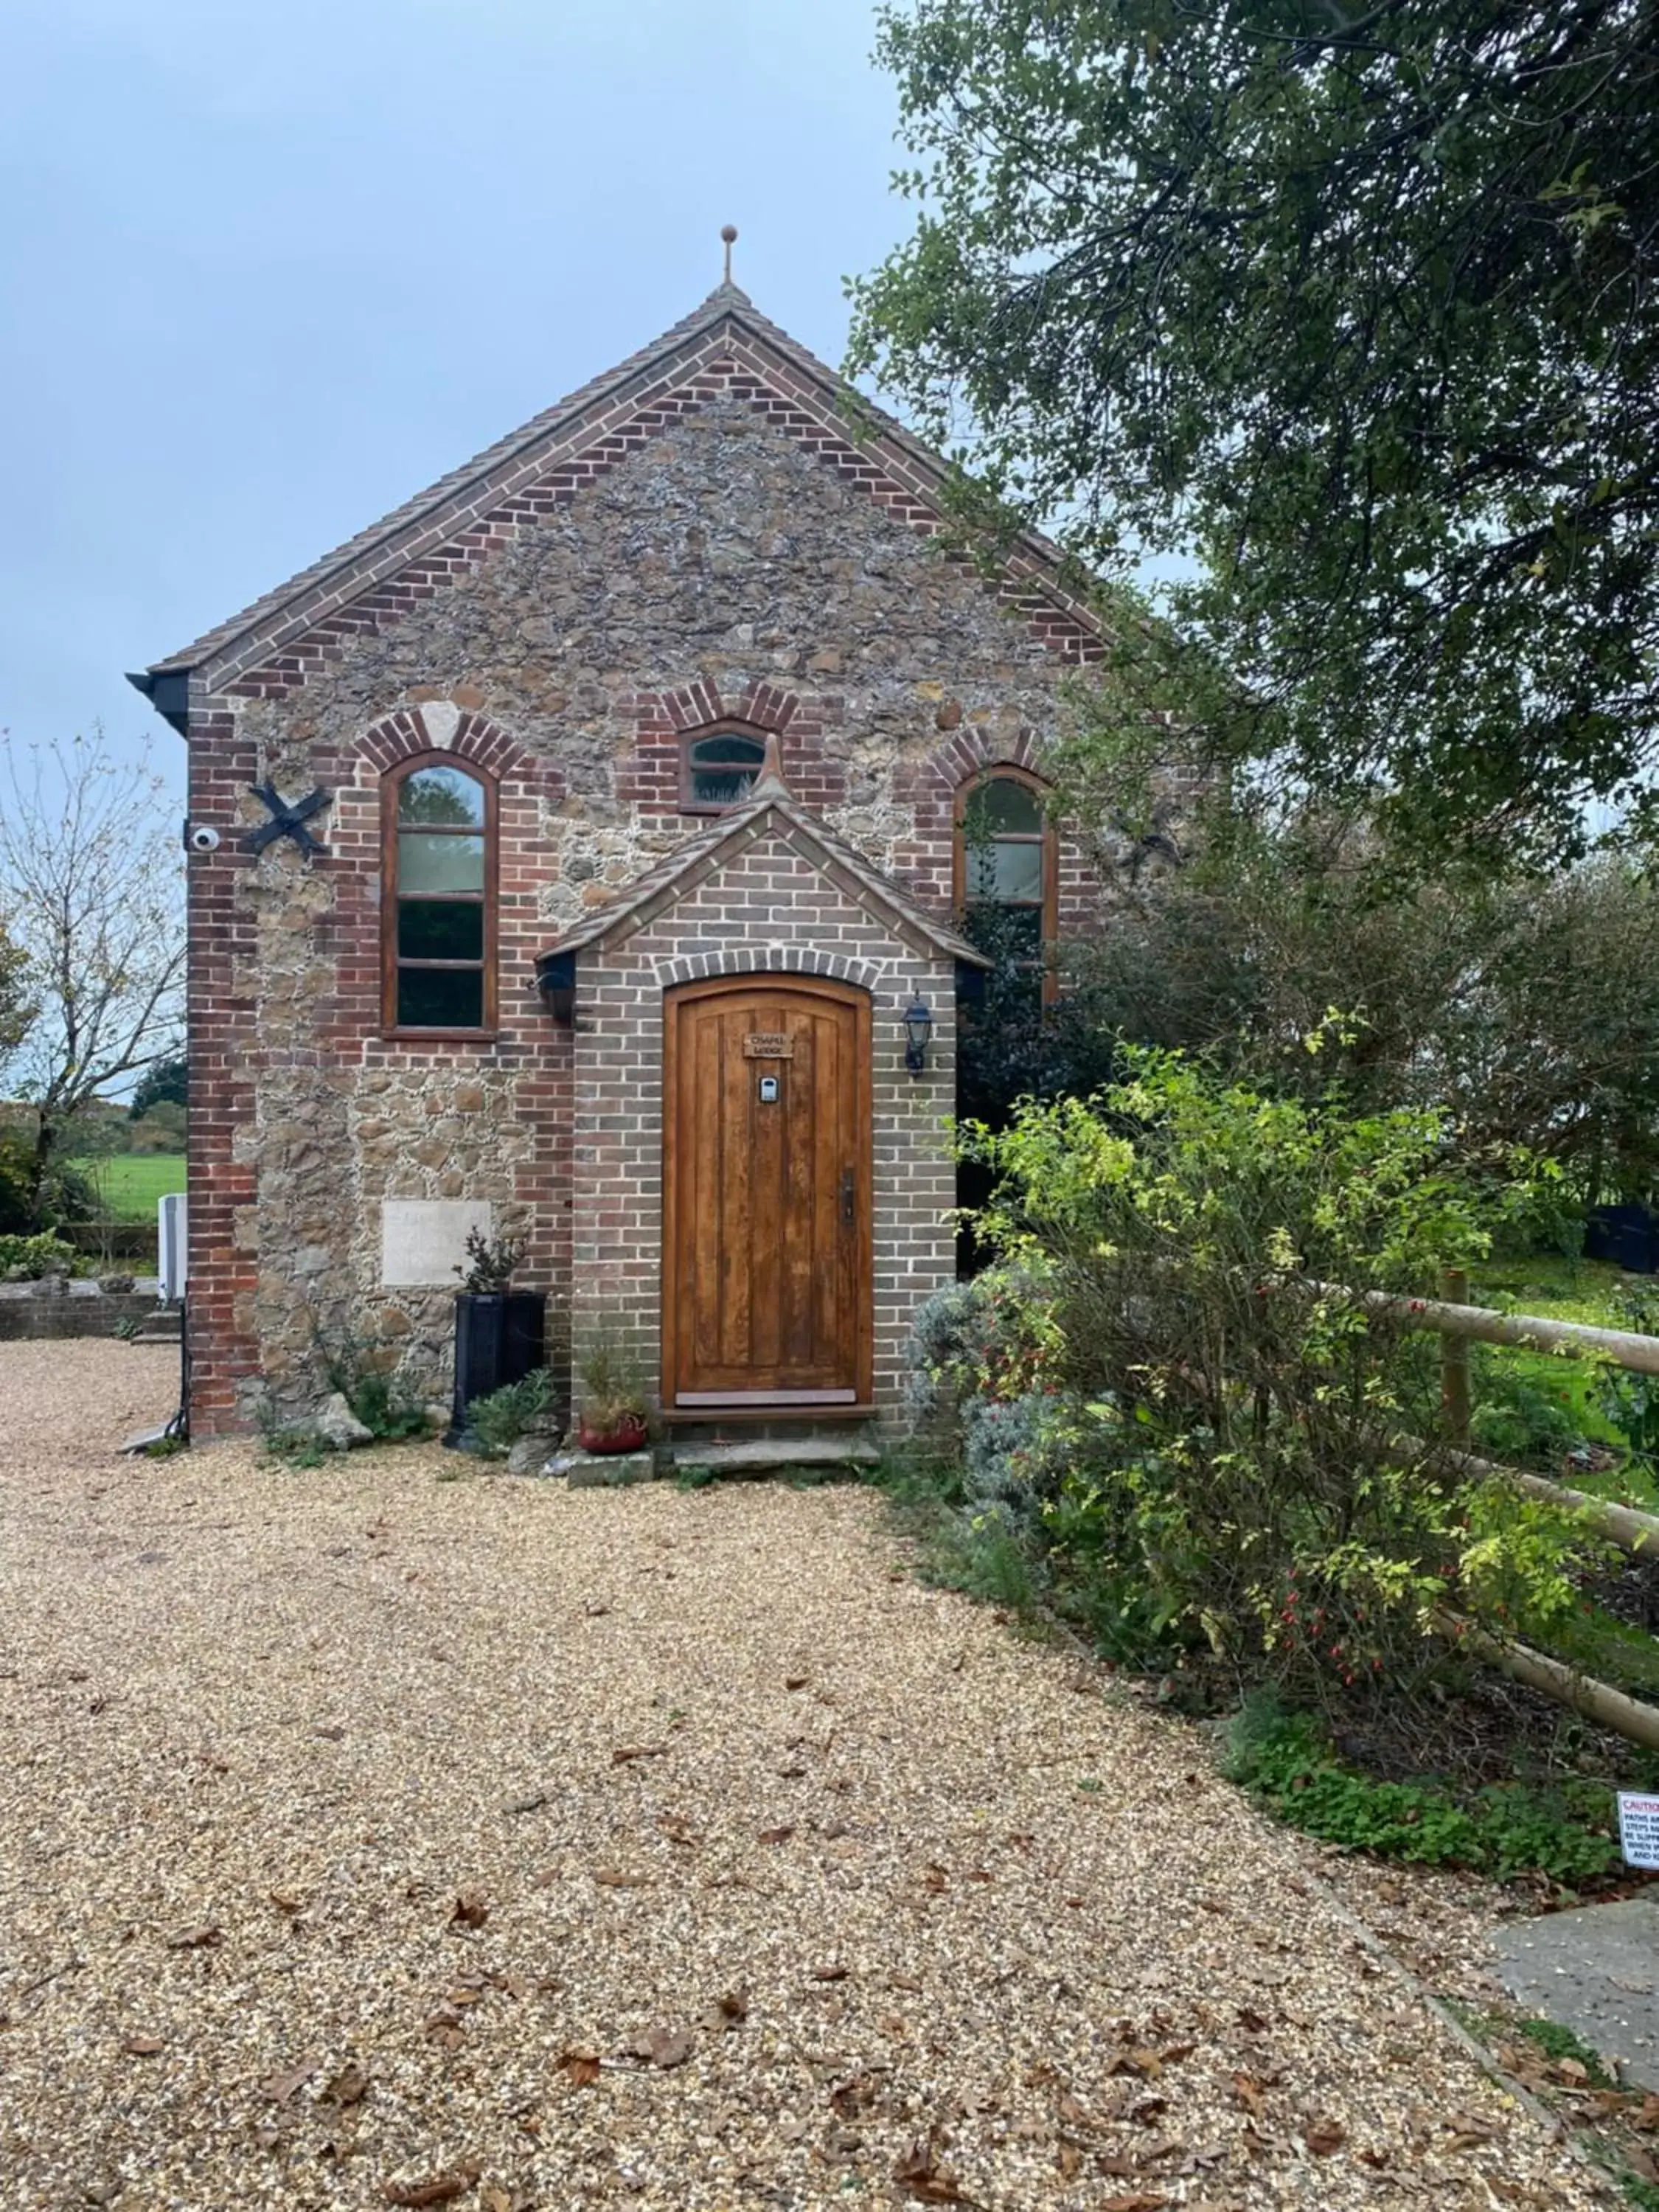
768, 960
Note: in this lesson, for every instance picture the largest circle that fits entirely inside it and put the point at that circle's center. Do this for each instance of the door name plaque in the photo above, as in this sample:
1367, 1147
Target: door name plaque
768, 1044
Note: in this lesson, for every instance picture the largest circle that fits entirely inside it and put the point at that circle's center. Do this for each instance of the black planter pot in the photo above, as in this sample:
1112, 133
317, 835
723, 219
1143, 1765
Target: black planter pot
499, 1339
1626, 1235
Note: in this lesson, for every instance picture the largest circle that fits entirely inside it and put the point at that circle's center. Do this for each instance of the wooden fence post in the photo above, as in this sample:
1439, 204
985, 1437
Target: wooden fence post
1455, 1363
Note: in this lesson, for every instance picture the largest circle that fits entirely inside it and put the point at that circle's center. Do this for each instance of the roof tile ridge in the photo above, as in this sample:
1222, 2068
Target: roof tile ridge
874, 877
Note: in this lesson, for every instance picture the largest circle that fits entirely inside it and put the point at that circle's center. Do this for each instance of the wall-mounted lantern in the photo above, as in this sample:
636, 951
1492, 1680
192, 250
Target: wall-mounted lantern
918, 1032
555, 980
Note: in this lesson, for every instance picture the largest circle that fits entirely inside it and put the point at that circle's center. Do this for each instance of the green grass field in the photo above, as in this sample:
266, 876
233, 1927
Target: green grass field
1558, 1289
132, 1183
1555, 1289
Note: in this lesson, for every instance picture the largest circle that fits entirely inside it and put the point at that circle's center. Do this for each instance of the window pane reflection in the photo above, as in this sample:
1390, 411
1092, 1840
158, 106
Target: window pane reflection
440, 864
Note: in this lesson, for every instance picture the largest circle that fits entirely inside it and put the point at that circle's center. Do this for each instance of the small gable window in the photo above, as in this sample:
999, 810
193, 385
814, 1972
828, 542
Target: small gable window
1005, 871
718, 767
439, 910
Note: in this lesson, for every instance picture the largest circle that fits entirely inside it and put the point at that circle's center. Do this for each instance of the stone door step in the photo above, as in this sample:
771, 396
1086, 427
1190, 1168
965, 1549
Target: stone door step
164, 1329
142, 1439
768, 1454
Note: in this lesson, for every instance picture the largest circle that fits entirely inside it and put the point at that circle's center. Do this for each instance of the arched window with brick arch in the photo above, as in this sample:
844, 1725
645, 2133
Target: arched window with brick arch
719, 764
1006, 868
438, 898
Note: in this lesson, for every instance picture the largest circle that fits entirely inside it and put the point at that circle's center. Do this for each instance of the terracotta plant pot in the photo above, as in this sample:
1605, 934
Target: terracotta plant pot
624, 1435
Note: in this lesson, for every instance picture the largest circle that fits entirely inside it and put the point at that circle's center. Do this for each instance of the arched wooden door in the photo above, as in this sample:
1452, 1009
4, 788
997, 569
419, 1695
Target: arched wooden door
767, 1247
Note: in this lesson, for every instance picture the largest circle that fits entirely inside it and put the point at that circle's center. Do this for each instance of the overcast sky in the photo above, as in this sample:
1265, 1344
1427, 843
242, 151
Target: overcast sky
265, 272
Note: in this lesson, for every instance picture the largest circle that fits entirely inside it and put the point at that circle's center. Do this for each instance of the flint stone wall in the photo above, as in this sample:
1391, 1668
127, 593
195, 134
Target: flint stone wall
722, 567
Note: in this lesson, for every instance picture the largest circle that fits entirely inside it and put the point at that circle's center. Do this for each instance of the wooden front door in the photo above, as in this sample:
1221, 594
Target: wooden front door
766, 1193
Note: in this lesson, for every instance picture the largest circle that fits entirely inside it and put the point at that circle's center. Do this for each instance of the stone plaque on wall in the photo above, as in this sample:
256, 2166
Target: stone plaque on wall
423, 1240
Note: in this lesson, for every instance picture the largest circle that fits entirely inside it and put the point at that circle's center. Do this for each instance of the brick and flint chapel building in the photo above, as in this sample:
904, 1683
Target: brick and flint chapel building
586, 830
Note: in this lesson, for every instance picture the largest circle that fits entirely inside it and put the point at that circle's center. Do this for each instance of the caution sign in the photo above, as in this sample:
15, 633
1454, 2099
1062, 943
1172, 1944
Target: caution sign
1639, 1829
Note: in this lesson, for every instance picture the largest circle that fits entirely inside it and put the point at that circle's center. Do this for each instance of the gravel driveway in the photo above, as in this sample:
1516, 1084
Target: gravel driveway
368, 1837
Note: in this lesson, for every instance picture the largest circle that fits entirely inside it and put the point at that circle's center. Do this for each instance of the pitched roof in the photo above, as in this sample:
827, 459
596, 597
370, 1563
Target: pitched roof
697, 857
460, 504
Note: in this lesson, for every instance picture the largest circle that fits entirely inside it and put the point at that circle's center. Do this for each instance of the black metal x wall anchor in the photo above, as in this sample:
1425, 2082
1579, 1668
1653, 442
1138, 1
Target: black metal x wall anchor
286, 821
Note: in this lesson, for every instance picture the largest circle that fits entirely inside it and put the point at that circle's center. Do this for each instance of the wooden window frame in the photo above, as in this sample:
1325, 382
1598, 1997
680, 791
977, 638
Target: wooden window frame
1048, 905
391, 786
728, 726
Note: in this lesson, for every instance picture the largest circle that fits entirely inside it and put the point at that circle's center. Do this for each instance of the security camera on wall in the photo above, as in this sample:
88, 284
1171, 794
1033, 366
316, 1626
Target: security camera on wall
200, 837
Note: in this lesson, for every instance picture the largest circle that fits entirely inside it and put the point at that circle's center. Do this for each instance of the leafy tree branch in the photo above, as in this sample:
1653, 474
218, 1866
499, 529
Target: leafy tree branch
1353, 312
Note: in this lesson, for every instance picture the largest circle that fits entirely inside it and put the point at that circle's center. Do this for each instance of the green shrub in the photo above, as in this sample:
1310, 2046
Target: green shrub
380, 1405
517, 1410
1210, 1434
1631, 1402
299, 1448
1524, 1412
43, 1254
1504, 1830
379, 1402
17, 1206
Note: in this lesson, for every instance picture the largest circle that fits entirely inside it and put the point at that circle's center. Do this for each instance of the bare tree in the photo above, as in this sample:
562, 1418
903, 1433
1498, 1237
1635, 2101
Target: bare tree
92, 887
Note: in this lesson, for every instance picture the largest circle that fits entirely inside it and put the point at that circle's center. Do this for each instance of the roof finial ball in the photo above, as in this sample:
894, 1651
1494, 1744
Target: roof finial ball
729, 235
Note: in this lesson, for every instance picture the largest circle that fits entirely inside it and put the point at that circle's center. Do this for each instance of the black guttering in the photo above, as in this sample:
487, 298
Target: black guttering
168, 692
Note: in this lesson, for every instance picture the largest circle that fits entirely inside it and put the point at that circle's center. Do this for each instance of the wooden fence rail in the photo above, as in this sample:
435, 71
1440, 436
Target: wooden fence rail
1574, 1340
1458, 1323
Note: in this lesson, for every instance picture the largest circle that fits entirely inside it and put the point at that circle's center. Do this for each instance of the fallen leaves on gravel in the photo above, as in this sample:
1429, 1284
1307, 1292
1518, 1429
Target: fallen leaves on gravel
775, 1835
626, 1752
441, 2189
337, 1877
196, 1939
851, 2099
662, 2046
471, 1910
920, 2174
1247, 2090
282, 2086
1325, 2138
1470, 2129
349, 2086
